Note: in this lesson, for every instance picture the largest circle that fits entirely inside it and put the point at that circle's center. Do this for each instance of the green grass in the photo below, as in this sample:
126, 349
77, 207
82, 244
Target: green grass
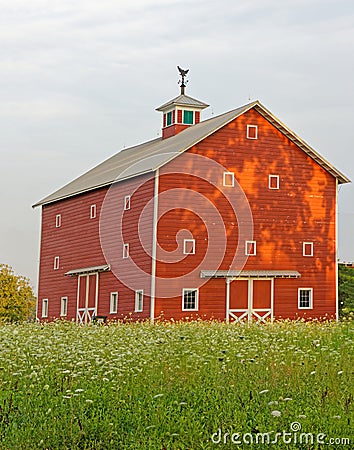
172, 386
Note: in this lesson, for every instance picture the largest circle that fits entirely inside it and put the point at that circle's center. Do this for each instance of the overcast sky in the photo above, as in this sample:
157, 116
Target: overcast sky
80, 80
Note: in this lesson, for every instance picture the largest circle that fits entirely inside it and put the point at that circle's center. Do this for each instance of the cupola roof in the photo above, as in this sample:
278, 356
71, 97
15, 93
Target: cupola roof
183, 101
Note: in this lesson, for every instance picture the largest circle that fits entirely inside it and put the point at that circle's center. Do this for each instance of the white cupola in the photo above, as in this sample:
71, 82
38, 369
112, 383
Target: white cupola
180, 112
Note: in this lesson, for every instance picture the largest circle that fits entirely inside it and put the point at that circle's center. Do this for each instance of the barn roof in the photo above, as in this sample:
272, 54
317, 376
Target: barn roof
151, 155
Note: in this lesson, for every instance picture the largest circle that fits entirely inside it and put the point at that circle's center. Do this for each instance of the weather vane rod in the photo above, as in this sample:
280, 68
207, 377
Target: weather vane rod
182, 82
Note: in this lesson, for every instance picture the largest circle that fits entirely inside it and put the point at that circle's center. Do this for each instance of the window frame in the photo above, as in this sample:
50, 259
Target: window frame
113, 303
304, 245
310, 290
225, 174
64, 310
139, 306
56, 264
252, 127
169, 118
125, 251
184, 292
45, 302
276, 177
127, 203
93, 211
190, 113
185, 242
247, 249
58, 221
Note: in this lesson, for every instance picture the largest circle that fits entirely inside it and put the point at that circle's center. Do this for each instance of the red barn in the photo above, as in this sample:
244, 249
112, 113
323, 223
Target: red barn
232, 218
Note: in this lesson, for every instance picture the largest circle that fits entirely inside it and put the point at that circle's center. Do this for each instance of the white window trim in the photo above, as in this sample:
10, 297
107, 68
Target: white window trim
248, 131
126, 202
93, 212
56, 263
185, 243
250, 243
196, 299
137, 295
225, 176
45, 307
111, 309
64, 300
125, 251
311, 298
167, 113
271, 176
58, 221
304, 244
190, 110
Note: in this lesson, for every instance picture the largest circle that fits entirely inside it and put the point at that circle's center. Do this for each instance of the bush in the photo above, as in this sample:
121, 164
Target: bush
345, 290
17, 300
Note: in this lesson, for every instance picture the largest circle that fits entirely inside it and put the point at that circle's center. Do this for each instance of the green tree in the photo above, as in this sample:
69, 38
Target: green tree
345, 289
17, 300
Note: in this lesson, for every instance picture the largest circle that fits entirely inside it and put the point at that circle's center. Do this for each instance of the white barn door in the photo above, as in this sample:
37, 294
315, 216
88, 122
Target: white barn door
249, 299
87, 296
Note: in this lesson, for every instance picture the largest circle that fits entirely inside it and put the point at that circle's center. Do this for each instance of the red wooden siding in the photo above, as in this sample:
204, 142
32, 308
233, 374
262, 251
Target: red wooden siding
133, 227
239, 294
179, 116
301, 210
82, 292
173, 130
77, 243
261, 294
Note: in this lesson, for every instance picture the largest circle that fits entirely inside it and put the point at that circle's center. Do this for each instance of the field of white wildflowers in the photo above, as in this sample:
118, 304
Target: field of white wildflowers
176, 385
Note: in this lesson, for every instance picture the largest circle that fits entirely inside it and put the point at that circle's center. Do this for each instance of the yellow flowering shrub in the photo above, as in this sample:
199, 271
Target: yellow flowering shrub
17, 300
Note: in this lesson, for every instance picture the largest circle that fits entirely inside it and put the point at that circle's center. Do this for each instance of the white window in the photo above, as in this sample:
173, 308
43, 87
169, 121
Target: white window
93, 212
252, 132
250, 248
189, 247
58, 221
64, 306
125, 251
273, 182
307, 248
229, 179
113, 304
56, 262
139, 298
190, 300
305, 298
127, 202
45, 307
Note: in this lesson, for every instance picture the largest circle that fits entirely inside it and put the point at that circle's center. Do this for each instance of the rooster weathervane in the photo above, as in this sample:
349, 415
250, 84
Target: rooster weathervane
182, 82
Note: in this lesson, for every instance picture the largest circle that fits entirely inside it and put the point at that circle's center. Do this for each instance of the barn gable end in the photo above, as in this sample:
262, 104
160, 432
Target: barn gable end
299, 209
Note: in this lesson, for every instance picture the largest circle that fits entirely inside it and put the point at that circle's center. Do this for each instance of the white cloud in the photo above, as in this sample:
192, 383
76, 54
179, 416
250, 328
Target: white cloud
82, 78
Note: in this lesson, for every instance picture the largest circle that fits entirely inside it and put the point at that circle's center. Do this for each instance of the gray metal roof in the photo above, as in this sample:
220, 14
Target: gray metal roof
249, 274
182, 100
150, 156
